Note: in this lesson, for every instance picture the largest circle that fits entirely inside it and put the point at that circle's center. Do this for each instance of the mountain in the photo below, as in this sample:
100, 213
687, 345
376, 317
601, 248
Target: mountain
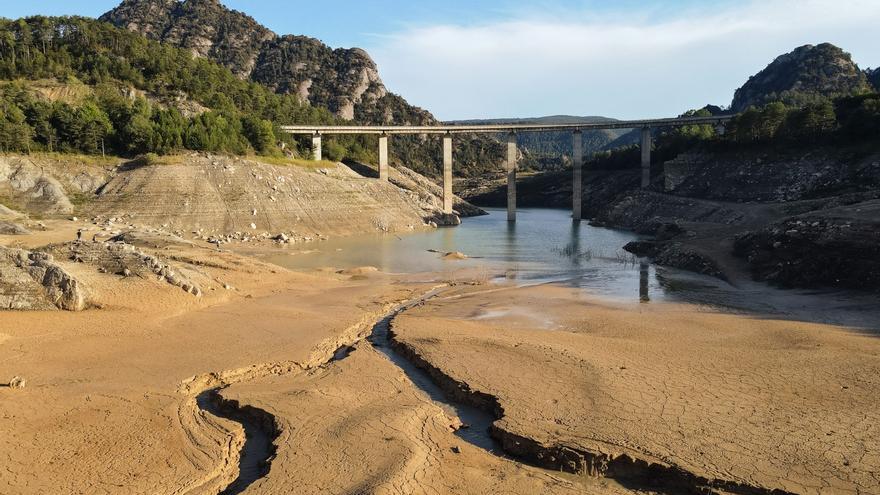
874, 78
345, 81
802, 76
73, 84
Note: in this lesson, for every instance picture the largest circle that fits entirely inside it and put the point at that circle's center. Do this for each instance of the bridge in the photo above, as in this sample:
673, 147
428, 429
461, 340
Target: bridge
447, 131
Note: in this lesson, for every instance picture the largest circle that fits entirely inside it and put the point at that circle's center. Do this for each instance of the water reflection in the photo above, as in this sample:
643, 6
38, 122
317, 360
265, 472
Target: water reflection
545, 246
541, 246
574, 245
643, 283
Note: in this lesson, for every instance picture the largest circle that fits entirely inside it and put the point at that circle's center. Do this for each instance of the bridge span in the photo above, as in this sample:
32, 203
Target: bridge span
447, 131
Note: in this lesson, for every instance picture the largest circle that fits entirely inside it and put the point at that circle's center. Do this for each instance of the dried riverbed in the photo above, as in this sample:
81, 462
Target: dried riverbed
278, 382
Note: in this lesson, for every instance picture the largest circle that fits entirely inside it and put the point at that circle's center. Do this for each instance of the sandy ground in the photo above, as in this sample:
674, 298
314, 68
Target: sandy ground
105, 411
110, 403
761, 403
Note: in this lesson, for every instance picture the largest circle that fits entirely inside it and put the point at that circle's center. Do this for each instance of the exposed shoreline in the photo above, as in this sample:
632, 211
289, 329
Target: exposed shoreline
118, 383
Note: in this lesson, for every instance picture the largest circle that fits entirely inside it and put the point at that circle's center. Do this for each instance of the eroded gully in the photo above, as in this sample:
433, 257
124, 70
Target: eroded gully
476, 410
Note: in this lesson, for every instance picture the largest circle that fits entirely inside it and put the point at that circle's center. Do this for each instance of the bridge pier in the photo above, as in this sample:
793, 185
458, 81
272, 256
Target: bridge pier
447, 173
511, 177
645, 146
577, 165
316, 146
383, 157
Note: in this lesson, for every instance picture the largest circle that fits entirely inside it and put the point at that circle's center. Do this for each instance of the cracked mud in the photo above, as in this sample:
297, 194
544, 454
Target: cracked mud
330, 383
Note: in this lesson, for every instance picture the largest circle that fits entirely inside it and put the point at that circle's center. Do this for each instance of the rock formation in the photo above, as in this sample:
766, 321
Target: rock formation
874, 78
346, 81
32, 280
805, 73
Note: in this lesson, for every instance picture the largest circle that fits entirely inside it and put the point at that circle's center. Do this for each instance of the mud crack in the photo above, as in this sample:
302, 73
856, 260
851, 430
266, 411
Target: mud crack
250, 433
628, 469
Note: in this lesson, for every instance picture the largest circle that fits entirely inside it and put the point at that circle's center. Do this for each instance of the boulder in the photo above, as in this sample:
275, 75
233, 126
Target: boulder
32, 281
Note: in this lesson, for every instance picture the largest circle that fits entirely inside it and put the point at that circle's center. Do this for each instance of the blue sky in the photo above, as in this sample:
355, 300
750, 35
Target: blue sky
624, 58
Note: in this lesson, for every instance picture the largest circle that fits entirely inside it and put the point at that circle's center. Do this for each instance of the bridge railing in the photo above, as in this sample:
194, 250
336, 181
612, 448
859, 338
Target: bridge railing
577, 128
501, 128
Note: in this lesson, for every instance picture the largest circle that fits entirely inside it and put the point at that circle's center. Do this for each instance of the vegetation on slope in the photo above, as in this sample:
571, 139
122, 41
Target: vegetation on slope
807, 75
142, 95
125, 69
843, 121
345, 81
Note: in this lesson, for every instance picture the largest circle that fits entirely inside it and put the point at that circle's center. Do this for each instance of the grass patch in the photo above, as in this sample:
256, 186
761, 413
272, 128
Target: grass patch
294, 162
80, 199
154, 159
87, 160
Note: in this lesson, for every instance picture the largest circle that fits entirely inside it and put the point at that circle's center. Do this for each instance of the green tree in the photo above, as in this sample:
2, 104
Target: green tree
168, 130
260, 134
95, 128
15, 134
771, 118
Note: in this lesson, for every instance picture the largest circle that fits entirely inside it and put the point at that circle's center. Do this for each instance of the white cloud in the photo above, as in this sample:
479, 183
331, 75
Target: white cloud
580, 63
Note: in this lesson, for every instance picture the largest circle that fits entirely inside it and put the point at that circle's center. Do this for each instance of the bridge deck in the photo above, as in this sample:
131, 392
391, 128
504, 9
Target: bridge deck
499, 128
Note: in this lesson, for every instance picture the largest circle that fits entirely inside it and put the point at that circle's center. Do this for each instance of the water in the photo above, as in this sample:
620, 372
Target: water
476, 421
543, 245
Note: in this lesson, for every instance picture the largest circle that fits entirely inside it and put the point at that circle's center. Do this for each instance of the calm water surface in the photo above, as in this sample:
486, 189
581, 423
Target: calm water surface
543, 245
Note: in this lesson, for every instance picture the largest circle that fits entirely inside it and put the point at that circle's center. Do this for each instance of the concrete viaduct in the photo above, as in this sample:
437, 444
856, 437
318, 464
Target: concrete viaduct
447, 131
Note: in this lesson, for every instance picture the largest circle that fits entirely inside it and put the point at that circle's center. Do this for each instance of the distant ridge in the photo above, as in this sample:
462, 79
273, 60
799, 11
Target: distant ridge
547, 148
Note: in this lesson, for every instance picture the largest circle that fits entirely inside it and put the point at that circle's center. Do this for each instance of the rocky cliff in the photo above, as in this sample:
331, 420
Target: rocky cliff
346, 81
874, 78
800, 76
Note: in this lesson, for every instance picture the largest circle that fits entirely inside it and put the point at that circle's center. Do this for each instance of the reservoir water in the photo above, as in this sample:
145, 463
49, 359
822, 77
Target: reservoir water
545, 245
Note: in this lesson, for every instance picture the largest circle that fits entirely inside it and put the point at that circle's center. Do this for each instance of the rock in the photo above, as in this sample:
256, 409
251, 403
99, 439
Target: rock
808, 71
359, 271
455, 255
32, 280
676, 255
17, 382
32, 187
10, 228
839, 249
128, 260
667, 231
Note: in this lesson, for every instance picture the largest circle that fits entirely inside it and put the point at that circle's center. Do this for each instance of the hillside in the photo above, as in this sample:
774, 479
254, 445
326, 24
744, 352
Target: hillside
787, 188
79, 85
874, 77
802, 76
345, 81
223, 196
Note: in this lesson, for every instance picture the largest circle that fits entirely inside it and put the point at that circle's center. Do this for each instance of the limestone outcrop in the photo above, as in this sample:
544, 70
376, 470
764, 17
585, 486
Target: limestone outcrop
32, 280
801, 75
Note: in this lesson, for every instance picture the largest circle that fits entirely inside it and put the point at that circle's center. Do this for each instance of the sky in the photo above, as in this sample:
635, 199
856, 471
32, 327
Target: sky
464, 59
